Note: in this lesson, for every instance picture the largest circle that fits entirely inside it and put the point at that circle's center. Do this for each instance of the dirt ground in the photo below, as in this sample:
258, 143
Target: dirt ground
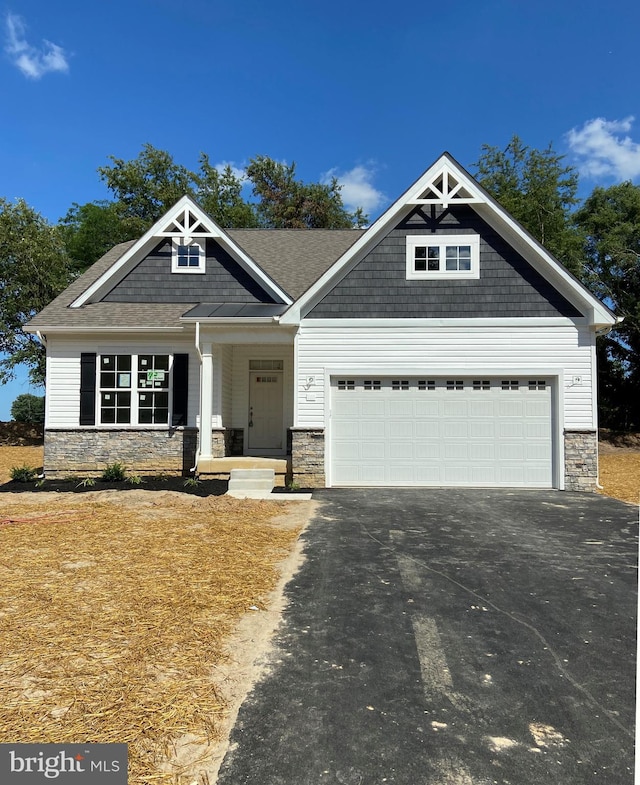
136, 617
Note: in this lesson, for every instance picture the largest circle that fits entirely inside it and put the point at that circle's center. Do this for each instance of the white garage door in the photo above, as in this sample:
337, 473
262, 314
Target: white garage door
441, 431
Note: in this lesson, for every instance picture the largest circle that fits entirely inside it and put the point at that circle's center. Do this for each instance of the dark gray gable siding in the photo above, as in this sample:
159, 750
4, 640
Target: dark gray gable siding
377, 286
152, 281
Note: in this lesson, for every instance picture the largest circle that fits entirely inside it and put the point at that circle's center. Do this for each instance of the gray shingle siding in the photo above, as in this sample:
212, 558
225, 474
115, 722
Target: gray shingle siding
152, 281
377, 287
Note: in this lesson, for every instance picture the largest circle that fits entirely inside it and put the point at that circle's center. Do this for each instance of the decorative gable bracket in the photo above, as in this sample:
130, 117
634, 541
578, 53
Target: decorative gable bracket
187, 225
445, 188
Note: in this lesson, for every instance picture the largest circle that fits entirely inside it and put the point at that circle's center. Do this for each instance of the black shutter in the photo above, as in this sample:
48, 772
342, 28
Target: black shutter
180, 389
87, 389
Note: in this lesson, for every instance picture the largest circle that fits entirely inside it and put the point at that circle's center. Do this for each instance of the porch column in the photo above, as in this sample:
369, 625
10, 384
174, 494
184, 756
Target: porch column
206, 400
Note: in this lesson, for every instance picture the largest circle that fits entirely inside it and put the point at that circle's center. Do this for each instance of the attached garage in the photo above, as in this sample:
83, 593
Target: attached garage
441, 431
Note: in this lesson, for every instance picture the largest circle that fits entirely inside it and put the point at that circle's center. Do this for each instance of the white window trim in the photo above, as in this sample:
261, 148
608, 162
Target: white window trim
442, 241
134, 390
200, 243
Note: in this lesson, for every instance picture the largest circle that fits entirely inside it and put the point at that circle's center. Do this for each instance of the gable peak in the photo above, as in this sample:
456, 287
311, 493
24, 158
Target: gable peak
186, 220
445, 185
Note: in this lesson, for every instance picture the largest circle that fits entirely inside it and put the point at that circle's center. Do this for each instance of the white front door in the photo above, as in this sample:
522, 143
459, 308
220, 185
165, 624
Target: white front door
265, 412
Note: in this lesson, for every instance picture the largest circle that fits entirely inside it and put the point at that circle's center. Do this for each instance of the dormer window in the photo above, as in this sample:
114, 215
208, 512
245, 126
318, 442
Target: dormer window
443, 256
188, 256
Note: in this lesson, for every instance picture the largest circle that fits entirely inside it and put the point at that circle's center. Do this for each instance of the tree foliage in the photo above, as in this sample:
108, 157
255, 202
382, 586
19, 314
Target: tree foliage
538, 191
610, 219
219, 193
34, 268
147, 186
287, 203
28, 408
90, 230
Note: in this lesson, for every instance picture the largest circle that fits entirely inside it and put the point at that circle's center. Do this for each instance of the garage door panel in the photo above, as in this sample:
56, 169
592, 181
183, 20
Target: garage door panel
372, 407
455, 451
480, 408
536, 408
481, 452
346, 451
511, 429
454, 409
510, 408
429, 448
402, 429
455, 429
510, 451
401, 449
458, 433
482, 429
427, 429
427, 407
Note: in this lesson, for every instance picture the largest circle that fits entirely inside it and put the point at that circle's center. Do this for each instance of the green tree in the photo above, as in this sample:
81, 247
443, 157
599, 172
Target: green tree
219, 193
147, 186
28, 408
287, 203
90, 230
34, 268
610, 219
538, 191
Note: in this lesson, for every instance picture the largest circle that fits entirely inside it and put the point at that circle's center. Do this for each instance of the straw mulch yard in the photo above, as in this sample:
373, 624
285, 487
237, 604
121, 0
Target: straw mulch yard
18, 456
114, 612
620, 475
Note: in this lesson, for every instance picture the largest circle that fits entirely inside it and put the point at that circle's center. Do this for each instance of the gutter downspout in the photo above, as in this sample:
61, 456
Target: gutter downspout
192, 470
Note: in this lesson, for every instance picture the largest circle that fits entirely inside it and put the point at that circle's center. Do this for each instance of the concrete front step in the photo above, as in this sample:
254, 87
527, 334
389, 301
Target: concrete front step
221, 468
252, 480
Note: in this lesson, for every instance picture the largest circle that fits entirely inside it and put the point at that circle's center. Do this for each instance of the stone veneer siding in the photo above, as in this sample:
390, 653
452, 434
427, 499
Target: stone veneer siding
89, 450
234, 441
307, 457
580, 460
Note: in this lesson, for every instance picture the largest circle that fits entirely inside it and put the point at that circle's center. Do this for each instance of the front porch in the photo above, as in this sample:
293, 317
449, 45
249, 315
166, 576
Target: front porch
220, 468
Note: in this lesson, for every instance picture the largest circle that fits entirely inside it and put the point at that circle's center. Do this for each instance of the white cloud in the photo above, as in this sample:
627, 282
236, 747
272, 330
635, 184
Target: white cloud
33, 62
604, 149
357, 188
238, 171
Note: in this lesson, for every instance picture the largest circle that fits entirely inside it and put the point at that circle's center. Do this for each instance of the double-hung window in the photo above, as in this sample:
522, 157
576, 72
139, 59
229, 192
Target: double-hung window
443, 256
115, 389
134, 389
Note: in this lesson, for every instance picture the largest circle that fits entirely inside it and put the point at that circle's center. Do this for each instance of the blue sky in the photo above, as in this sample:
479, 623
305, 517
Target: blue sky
370, 92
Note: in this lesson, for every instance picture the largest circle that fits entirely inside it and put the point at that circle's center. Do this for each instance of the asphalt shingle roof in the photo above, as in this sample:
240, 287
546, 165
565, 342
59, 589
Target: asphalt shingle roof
293, 258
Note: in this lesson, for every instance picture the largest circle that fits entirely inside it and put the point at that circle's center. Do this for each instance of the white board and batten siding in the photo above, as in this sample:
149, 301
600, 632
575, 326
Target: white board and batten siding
62, 405
562, 355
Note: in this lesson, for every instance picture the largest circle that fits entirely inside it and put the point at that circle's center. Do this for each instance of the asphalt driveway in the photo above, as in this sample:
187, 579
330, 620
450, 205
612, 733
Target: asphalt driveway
445, 637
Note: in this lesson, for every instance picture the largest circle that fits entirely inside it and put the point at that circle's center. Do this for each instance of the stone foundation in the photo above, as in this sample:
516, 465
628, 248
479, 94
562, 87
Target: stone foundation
218, 443
580, 460
234, 441
307, 457
87, 451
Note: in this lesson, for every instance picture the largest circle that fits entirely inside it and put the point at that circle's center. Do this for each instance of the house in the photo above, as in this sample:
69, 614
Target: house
442, 346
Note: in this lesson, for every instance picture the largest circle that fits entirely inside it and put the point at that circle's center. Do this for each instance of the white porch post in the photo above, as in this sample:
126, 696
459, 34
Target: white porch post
206, 400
